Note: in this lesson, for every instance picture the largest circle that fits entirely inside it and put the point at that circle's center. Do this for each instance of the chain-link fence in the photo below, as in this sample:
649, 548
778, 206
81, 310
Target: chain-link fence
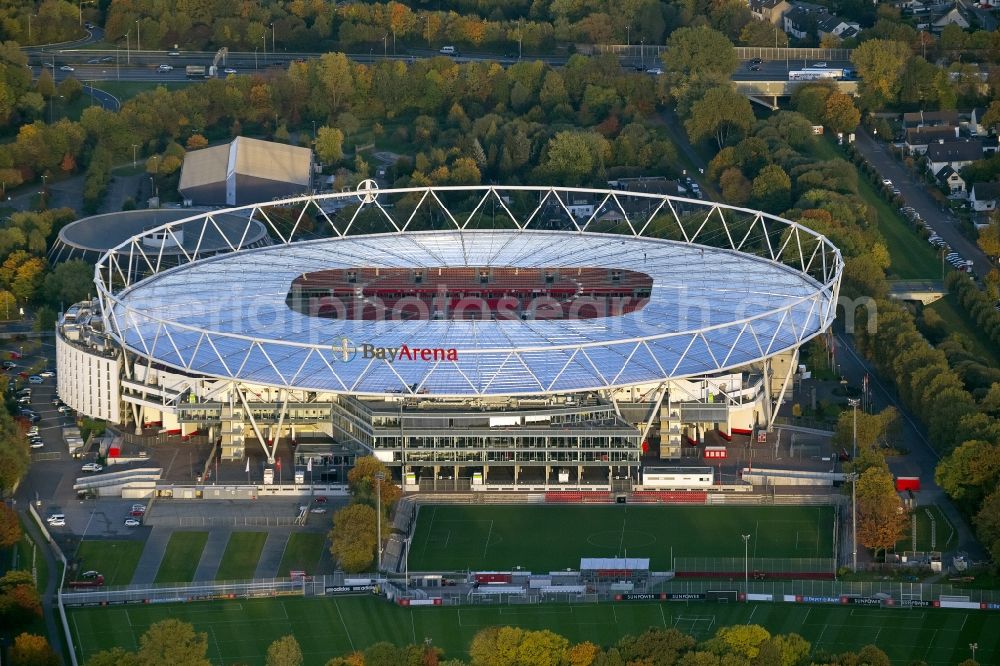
755, 567
170, 592
833, 588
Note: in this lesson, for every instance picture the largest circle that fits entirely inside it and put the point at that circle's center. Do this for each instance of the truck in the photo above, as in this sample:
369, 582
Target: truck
819, 73
196, 72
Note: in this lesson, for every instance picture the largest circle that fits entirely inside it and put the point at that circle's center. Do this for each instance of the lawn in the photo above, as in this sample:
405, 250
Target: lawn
302, 552
115, 559
239, 631
911, 257
180, 561
239, 562
956, 320
548, 538
944, 534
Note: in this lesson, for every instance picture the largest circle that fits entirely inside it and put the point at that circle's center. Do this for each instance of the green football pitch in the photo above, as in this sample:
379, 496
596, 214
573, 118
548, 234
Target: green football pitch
550, 538
240, 631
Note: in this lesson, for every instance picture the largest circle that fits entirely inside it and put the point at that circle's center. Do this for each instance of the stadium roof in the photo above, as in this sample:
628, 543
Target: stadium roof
729, 287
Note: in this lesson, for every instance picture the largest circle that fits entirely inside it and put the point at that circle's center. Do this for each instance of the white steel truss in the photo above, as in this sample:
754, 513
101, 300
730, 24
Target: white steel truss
731, 287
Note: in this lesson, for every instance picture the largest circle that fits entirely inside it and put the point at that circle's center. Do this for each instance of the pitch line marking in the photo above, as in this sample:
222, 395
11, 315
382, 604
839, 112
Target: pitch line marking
346, 630
662, 616
488, 535
966, 619
413, 627
752, 612
808, 610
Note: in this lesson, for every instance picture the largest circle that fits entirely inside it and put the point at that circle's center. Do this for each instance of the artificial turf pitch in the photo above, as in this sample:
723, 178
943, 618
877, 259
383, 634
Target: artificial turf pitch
550, 538
239, 631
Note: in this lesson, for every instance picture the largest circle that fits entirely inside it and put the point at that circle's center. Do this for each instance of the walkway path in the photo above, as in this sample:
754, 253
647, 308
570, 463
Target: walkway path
272, 552
211, 556
152, 556
49, 593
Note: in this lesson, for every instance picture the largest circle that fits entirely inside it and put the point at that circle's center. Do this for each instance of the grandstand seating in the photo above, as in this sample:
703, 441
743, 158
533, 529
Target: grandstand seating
669, 496
575, 497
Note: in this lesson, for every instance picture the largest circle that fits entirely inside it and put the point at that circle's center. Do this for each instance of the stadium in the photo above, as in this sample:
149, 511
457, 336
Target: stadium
489, 336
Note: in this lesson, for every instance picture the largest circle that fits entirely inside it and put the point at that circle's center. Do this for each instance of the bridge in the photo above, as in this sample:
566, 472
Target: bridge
925, 291
760, 91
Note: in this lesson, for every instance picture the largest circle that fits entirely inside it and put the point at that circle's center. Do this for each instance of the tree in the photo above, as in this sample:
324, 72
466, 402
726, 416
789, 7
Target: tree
969, 471
772, 189
721, 114
840, 114
742, 641
46, 85
880, 64
987, 523
114, 657
654, 643
32, 650
70, 282
171, 642
698, 52
991, 118
575, 157
881, 518
329, 144
763, 33
10, 527
873, 429
353, 537
196, 142
285, 651
989, 238
362, 482
735, 186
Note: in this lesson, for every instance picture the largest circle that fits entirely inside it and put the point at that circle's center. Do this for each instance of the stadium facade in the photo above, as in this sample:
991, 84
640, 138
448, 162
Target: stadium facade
474, 336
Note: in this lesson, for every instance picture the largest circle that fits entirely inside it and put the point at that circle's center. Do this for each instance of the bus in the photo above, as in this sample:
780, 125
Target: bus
820, 73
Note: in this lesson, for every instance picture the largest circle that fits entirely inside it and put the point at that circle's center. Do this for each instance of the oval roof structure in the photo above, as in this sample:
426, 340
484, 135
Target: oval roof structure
710, 307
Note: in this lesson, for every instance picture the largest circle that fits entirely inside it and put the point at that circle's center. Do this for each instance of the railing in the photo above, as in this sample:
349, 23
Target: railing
168, 592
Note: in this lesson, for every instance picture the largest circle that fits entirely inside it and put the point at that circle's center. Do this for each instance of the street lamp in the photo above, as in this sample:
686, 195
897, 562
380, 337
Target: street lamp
853, 478
134, 146
385, 47
128, 48
746, 562
379, 477
274, 49
854, 402
138, 40
82, 3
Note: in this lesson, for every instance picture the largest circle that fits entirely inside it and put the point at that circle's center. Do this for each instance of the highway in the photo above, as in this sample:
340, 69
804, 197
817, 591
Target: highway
130, 65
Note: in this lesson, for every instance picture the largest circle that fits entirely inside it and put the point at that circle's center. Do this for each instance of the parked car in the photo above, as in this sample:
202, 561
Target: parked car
91, 467
35, 379
9, 365
320, 500
317, 509
90, 574
132, 522
36, 444
57, 523
136, 514
63, 409
47, 373
55, 516
139, 507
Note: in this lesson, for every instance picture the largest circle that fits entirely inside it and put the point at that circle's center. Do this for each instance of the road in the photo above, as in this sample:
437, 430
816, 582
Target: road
921, 459
915, 194
130, 65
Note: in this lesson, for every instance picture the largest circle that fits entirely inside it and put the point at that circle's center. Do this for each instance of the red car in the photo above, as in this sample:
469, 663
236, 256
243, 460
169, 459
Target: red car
137, 514
320, 500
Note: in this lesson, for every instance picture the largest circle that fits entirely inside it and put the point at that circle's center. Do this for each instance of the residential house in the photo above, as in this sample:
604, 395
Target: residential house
953, 17
918, 138
951, 180
930, 119
956, 154
984, 196
771, 11
805, 20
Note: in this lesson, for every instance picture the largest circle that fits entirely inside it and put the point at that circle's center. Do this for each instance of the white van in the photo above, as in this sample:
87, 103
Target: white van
55, 517
449, 50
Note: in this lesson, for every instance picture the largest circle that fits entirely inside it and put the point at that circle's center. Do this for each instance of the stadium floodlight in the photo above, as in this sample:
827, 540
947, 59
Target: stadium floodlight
379, 478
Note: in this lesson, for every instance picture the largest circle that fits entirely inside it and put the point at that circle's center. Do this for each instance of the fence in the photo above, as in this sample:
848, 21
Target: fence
222, 521
833, 588
174, 592
757, 567
649, 52
62, 581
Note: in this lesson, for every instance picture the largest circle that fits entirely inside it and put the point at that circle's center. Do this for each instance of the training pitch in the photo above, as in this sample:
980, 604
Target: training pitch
240, 631
550, 538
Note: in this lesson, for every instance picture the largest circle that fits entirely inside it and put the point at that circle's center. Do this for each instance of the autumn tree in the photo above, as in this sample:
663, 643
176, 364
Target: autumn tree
575, 157
196, 142
735, 186
10, 527
362, 482
991, 119
880, 64
987, 522
32, 650
353, 537
512, 646
740, 641
329, 144
881, 518
873, 429
763, 33
840, 114
969, 471
771, 189
19, 600
722, 114
989, 238
171, 642
285, 651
